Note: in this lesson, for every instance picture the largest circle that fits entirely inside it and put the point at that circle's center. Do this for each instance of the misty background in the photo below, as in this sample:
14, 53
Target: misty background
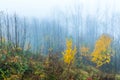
45, 25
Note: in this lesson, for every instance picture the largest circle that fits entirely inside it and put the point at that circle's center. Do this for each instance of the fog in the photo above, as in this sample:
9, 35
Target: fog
45, 8
46, 24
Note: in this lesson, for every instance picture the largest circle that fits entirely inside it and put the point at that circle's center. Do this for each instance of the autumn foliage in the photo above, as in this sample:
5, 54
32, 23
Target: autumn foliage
19, 64
69, 53
84, 51
101, 53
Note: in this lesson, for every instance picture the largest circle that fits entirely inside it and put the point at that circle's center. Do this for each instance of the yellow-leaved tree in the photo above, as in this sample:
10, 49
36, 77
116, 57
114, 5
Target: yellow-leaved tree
69, 53
69, 56
101, 54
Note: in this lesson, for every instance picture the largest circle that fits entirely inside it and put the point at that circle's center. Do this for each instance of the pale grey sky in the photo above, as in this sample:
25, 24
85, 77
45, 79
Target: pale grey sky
42, 8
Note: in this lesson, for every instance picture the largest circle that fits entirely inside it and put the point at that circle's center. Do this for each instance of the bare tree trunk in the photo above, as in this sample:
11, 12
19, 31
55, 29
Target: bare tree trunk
16, 31
24, 35
8, 29
0, 33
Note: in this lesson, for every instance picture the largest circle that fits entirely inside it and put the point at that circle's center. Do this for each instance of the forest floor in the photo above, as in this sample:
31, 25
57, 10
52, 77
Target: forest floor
29, 66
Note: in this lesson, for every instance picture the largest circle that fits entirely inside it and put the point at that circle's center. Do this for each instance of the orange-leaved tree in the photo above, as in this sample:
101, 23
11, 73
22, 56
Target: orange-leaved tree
101, 54
84, 51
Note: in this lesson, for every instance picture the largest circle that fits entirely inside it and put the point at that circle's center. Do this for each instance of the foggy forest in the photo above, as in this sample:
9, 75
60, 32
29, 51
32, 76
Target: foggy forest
67, 46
